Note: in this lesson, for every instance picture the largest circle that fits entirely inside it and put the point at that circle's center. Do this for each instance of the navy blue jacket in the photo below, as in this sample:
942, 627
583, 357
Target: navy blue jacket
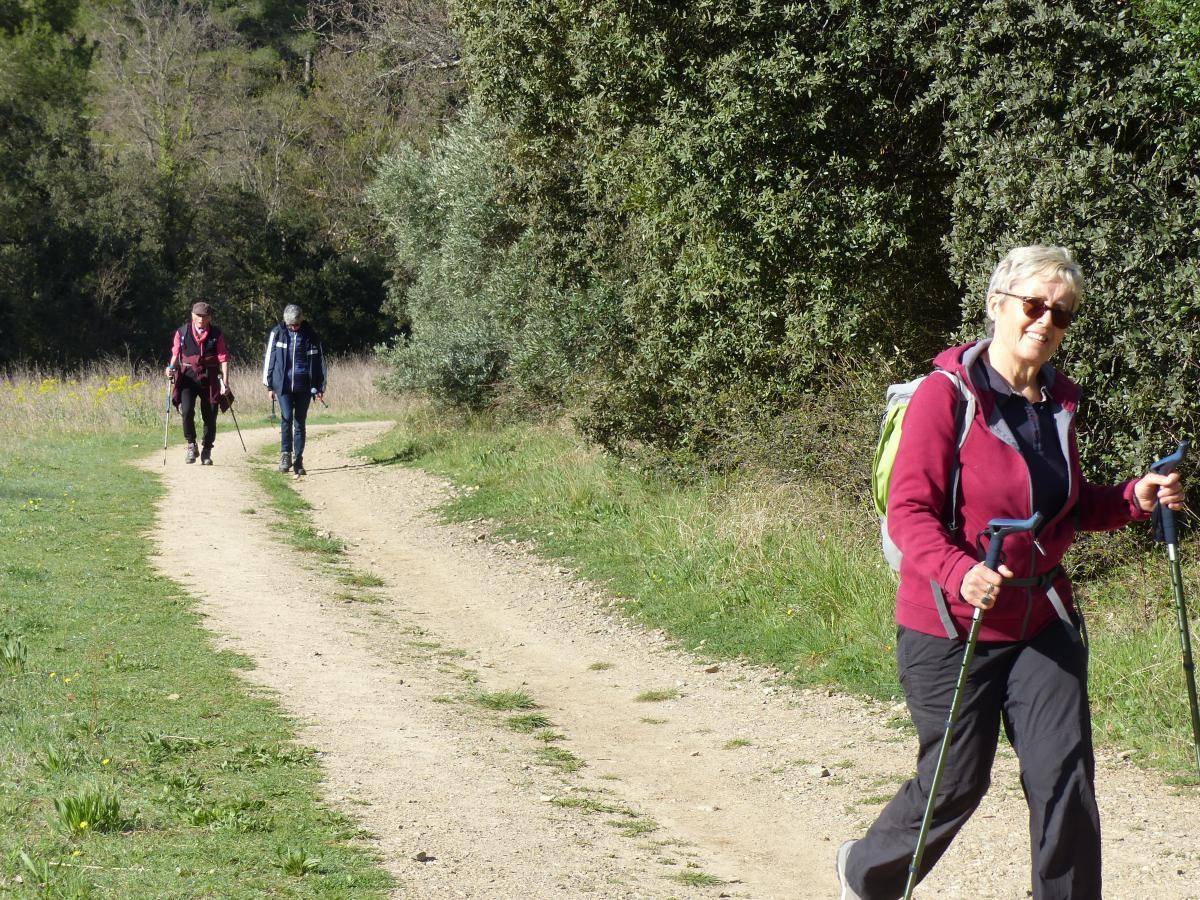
294, 362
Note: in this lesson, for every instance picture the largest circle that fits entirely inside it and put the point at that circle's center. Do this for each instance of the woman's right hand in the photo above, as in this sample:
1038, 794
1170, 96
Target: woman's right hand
980, 584
270, 393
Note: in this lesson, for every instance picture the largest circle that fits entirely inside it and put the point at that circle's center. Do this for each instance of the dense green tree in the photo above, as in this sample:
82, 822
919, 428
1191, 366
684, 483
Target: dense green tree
154, 152
46, 175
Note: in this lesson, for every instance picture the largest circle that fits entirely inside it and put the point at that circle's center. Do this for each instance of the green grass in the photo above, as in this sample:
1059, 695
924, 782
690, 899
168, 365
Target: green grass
360, 579
133, 760
505, 700
528, 723
295, 526
784, 575
592, 805
558, 758
696, 879
657, 696
634, 827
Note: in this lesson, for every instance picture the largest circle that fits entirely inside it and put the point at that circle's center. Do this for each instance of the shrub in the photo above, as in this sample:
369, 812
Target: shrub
1094, 147
451, 243
686, 221
90, 810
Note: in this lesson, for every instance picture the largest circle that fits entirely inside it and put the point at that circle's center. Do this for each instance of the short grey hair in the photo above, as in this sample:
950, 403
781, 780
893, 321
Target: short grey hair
1038, 261
292, 314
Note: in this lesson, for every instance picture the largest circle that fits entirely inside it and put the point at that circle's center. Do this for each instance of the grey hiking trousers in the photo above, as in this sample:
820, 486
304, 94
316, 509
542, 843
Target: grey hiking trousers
1038, 689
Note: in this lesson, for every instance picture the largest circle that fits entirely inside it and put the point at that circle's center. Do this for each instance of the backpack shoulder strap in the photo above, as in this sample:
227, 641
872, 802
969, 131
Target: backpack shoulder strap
967, 405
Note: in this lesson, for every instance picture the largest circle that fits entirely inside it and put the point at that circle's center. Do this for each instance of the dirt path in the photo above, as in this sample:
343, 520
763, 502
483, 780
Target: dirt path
748, 783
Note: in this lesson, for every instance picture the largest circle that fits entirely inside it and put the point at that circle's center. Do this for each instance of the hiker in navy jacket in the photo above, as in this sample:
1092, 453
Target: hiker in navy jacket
294, 373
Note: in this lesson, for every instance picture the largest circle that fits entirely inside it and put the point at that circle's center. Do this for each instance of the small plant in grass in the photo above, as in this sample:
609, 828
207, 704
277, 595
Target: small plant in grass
697, 879
253, 756
236, 814
651, 720
161, 746
558, 758
549, 736
657, 696
90, 810
736, 743
52, 761
502, 700
297, 861
528, 723
12, 653
600, 666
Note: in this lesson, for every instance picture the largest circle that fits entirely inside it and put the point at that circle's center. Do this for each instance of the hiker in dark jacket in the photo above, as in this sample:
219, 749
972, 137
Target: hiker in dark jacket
294, 373
199, 370
1029, 671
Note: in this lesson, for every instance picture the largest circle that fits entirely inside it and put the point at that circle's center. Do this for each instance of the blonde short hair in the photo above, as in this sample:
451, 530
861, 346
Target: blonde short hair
1041, 261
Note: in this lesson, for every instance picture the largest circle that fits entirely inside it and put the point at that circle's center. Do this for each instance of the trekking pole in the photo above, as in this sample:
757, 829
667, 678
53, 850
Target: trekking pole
221, 381
273, 419
997, 531
167, 418
1168, 532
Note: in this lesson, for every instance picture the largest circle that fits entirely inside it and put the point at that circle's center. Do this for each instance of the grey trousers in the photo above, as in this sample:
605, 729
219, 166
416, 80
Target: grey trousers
1038, 689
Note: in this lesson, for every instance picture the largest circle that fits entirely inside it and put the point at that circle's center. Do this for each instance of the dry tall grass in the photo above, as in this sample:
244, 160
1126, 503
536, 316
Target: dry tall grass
112, 395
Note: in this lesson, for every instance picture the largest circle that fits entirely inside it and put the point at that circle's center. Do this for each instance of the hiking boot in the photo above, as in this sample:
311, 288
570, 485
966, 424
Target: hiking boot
298, 467
285, 461
206, 456
843, 855
190, 456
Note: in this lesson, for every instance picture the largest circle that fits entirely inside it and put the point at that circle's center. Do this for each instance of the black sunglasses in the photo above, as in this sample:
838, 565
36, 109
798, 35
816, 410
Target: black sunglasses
1035, 308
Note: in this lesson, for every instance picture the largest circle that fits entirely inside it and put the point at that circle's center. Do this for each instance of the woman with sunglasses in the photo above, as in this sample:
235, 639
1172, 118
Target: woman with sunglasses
1029, 671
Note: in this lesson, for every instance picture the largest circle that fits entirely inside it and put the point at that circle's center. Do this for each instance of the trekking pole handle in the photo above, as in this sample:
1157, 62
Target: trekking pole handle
1165, 466
999, 529
1169, 464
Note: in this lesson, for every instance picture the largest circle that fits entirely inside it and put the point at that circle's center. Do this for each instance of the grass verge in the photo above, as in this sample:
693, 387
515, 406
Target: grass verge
133, 762
784, 575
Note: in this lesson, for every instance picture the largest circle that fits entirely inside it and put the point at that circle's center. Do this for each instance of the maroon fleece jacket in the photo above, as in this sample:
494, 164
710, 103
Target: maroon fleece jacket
995, 482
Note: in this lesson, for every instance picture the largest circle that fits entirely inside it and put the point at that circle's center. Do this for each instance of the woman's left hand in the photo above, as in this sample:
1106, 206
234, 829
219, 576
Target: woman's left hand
1153, 488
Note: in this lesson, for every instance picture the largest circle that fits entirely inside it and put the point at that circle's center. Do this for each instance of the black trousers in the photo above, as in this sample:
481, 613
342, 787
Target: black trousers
1038, 689
189, 391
